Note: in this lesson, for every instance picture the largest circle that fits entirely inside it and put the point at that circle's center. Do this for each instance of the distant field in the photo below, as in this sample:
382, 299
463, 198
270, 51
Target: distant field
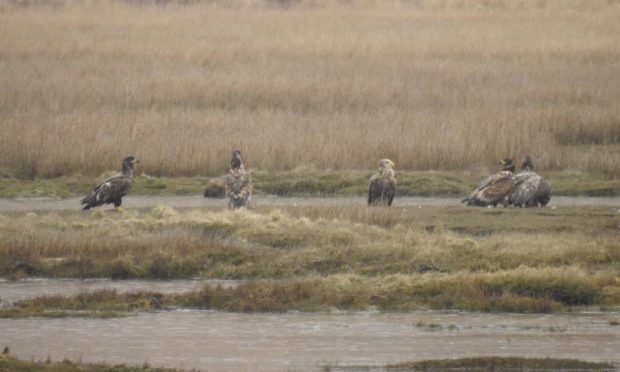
321, 85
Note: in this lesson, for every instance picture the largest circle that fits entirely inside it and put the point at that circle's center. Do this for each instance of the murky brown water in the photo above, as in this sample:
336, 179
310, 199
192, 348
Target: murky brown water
298, 341
197, 201
11, 291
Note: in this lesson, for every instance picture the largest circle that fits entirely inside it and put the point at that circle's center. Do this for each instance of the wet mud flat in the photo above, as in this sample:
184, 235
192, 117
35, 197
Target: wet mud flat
217, 341
197, 201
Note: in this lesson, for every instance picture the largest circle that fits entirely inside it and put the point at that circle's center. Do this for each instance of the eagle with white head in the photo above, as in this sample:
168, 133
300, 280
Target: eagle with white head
382, 185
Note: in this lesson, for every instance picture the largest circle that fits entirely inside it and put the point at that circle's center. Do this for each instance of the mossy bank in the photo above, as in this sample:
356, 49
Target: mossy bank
305, 182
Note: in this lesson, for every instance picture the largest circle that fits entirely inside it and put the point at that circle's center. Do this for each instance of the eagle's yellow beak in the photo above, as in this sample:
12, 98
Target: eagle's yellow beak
392, 164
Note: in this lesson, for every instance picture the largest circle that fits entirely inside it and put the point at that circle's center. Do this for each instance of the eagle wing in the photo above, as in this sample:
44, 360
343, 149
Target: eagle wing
381, 189
238, 187
375, 189
525, 190
544, 191
110, 191
492, 190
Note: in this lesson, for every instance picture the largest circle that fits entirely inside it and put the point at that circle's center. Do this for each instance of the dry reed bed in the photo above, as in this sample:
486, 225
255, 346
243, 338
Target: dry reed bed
324, 86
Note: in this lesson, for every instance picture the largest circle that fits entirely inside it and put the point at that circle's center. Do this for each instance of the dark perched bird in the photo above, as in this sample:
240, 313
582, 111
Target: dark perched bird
532, 190
495, 188
114, 188
238, 183
382, 185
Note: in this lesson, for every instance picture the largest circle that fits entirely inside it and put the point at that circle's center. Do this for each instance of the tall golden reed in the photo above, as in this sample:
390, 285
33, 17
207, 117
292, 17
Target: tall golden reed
326, 85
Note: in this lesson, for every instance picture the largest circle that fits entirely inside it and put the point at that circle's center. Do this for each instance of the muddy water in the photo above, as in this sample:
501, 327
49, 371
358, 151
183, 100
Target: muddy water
44, 204
11, 291
298, 341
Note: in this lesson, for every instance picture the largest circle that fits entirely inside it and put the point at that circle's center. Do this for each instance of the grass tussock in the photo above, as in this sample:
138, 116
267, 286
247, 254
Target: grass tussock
316, 84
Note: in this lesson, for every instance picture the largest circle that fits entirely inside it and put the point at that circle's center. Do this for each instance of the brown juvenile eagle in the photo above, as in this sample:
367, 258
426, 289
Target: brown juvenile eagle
114, 188
532, 189
382, 185
238, 183
495, 188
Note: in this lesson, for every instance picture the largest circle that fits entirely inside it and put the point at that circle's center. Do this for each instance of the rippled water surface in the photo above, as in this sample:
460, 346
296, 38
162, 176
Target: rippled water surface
217, 341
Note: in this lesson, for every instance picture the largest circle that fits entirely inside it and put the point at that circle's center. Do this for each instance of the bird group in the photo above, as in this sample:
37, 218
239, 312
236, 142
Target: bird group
237, 185
524, 189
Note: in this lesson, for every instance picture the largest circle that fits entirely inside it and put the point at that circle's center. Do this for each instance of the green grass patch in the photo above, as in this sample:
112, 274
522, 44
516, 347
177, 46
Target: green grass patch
306, 183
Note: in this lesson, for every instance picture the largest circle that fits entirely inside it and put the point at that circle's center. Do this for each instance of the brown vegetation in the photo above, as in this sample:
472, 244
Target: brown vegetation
319, 258
323, 85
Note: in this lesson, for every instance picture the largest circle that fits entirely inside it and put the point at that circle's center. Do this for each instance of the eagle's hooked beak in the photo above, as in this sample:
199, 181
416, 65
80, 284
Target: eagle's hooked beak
392, 164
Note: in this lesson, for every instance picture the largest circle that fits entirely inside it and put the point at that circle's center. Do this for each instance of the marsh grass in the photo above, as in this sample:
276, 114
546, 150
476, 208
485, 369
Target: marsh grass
272, 243
305, 182
447, 85
520, 290
322, 258
164, 243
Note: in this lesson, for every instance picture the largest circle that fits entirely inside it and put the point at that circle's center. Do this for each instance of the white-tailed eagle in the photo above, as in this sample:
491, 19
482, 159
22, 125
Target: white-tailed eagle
238, 183
382, 185
112, 190
495, 189
532, 190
